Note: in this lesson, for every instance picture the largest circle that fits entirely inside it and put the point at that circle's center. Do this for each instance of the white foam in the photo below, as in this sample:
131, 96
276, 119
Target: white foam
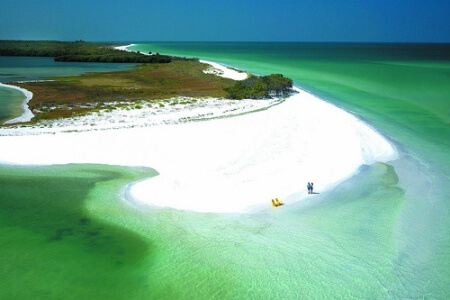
27, 114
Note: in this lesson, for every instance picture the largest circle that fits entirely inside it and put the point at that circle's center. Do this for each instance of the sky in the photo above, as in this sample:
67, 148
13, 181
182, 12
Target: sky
227, 20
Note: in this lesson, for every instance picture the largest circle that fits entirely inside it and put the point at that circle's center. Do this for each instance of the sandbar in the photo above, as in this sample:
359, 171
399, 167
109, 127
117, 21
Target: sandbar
223, 165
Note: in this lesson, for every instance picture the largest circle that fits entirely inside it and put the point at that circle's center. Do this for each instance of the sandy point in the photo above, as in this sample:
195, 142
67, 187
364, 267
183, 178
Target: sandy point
233, 165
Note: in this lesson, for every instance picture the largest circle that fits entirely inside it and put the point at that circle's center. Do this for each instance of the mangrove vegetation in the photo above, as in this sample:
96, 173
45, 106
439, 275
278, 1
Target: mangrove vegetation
257, 87
80, 51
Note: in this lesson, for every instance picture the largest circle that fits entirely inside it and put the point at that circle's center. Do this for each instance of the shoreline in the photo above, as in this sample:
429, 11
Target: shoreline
125, 48
233, 165
220, 70
215, 69
227, 165
172, 111
374, 148
27, 114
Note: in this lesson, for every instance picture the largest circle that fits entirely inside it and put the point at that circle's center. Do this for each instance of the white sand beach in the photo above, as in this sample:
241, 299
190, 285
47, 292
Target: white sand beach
223, 71
26, 115
231, 165
216, 69
125, 48
177, 110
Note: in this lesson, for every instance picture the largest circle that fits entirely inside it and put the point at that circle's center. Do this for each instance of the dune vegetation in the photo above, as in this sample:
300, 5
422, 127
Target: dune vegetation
75, 95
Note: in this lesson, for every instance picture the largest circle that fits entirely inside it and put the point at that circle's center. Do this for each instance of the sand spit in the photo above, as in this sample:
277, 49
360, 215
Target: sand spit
220, 70
124, 48
26, 115
224, 165
232, 165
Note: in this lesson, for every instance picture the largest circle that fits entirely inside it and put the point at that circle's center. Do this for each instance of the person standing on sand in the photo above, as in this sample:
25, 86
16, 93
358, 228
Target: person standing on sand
312, 188
309, 188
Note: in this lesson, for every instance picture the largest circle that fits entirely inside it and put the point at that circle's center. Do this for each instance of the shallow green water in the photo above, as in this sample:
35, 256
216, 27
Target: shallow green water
52, 245
400, 89
384, 233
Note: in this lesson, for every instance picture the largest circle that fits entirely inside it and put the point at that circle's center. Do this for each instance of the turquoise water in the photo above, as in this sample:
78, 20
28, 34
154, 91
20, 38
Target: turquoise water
14, 69
384, 233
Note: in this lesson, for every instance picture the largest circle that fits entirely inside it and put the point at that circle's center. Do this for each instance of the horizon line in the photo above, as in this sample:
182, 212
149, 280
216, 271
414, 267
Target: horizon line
197, 41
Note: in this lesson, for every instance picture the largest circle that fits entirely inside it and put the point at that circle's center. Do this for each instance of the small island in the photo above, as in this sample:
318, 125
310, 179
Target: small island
155, 78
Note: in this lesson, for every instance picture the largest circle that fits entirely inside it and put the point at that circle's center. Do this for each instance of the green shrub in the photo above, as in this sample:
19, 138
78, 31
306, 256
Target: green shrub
260, 87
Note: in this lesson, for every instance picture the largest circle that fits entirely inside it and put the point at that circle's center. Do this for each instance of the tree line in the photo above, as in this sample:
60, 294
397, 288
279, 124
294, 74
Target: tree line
80, 51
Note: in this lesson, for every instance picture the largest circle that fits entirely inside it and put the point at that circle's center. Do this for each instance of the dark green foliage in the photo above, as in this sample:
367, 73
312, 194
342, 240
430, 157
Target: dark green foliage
260, 87
79, 51
114, 58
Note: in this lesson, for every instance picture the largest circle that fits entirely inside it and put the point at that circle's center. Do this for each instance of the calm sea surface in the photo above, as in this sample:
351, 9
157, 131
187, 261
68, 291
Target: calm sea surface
384, 233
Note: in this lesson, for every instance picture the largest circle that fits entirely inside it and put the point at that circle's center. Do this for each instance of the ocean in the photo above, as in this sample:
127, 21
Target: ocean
384, 233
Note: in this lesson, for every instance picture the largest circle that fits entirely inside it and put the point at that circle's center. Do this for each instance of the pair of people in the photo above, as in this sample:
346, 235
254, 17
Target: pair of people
310, 187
